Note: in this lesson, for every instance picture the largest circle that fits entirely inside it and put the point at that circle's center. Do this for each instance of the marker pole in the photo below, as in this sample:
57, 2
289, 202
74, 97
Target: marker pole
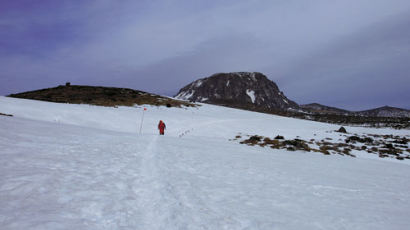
142, 119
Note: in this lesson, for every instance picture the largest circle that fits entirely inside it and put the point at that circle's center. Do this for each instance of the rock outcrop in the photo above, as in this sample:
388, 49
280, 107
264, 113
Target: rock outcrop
249, 90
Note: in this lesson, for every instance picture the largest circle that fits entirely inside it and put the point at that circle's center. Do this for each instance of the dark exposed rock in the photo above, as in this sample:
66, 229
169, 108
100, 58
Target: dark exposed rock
352, 138
367, 140
389, 146
342, 130
324, 149
402, 141
346, 151
298, 144
255, 138
358, 139
390, 151
278, 137
239, 89
7, 115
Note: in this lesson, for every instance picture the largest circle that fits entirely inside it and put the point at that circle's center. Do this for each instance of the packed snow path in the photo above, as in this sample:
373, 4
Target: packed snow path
60, 176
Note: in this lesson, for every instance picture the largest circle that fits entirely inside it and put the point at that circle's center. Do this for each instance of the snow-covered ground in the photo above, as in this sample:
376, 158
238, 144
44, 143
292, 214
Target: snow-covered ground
66, 166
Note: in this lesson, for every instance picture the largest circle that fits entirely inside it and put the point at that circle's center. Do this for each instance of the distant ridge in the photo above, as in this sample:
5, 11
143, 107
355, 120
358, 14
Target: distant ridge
318, 108
97, 95
385, 111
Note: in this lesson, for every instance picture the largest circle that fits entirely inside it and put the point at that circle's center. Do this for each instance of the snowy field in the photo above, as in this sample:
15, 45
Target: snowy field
66, 166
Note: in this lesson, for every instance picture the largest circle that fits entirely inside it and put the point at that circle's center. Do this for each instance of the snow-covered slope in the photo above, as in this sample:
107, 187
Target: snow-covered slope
86, 167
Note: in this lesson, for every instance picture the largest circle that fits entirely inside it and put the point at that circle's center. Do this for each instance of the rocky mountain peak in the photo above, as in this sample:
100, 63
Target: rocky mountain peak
251, 90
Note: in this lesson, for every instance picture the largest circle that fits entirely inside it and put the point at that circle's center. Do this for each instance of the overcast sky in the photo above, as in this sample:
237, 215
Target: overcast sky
352, 54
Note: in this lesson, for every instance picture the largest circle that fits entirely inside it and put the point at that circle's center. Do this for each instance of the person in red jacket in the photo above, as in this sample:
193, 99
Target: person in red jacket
161, 127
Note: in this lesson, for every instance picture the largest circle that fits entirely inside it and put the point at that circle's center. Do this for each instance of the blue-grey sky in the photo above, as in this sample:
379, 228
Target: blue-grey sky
352, 54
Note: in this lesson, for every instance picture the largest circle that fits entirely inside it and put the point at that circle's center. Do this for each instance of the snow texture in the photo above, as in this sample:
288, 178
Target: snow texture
253, 77
198, 83
251, 94
185, 95
80, 167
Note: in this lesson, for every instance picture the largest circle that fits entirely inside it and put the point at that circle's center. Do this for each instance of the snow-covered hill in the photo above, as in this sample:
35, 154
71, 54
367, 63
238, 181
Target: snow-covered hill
69, 166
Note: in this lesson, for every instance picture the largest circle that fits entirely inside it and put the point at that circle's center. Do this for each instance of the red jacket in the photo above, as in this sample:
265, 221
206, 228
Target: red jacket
161, 125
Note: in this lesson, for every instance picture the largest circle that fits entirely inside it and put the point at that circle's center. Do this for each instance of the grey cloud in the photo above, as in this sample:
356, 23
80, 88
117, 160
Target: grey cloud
366, 69
159, 46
